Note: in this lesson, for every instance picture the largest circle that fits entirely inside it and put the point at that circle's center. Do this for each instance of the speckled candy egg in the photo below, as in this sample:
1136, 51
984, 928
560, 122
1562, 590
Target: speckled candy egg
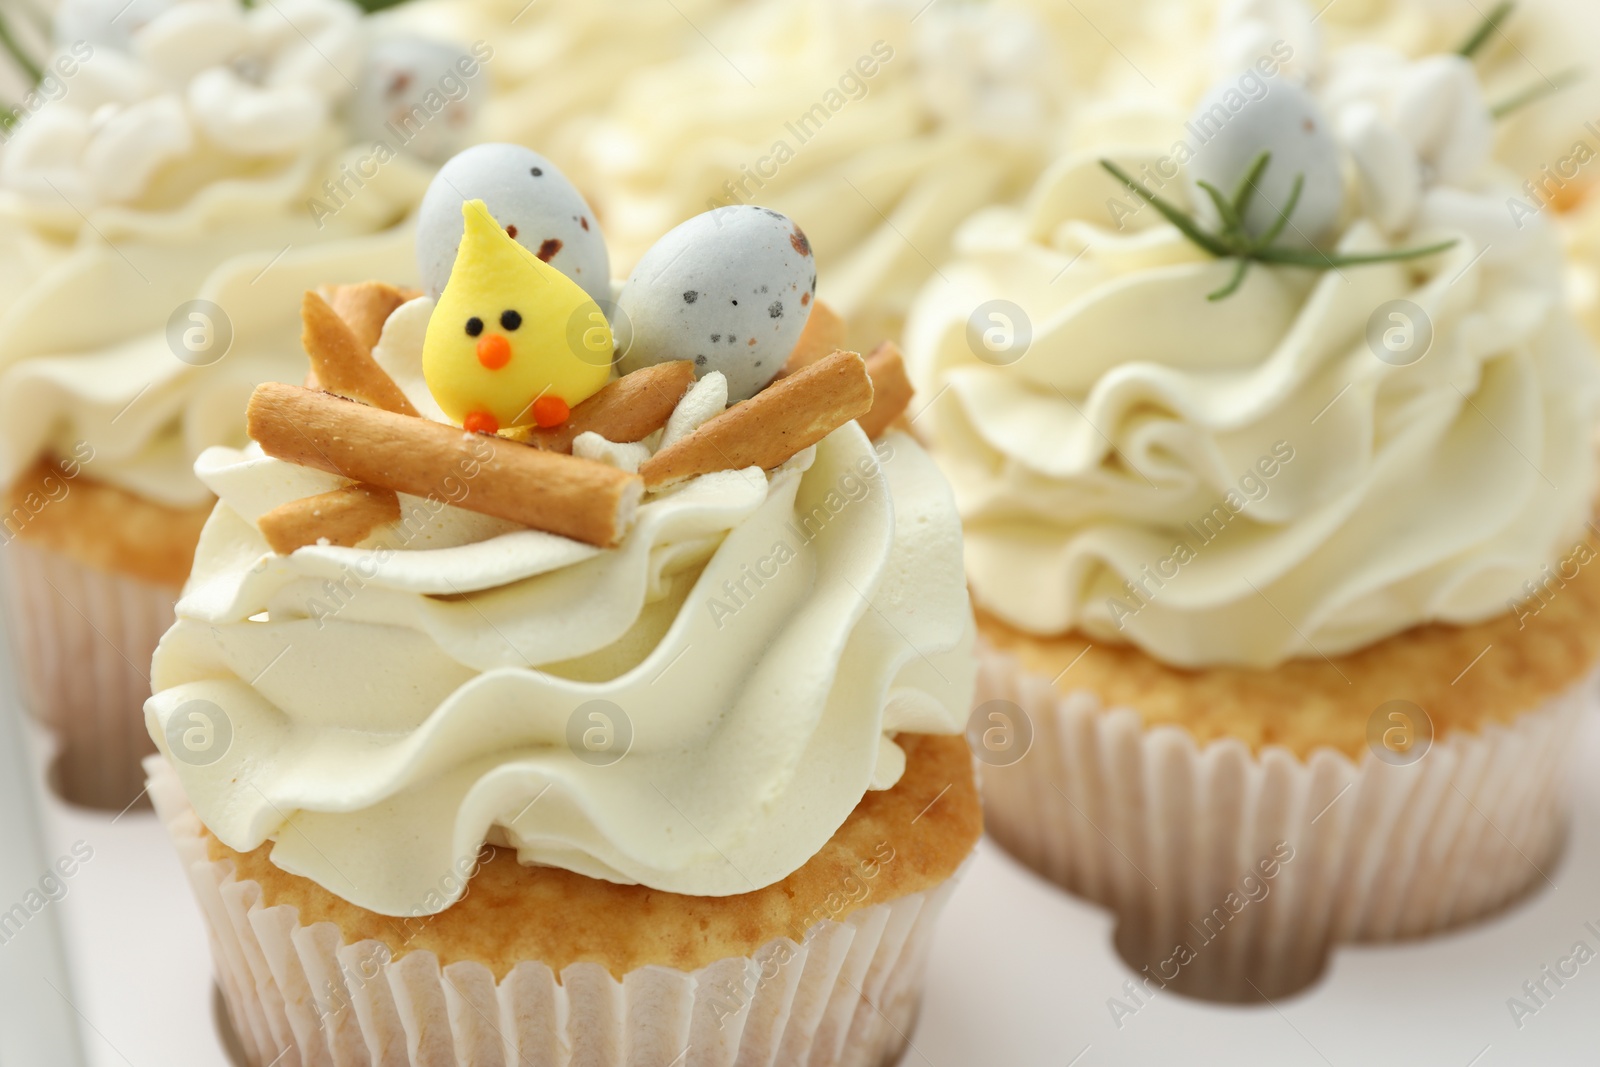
730, 289
1233, 129
418, 96
530, 198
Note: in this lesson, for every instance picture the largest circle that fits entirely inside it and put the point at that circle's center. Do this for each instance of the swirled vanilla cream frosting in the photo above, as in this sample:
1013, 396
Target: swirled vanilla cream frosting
697, 709
1300, 467
182, 170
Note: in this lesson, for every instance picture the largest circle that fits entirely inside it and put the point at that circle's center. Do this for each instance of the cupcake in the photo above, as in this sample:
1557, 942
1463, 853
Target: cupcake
883, 125
180, 174
1531, 60
1276, 494
518, 710
557, 66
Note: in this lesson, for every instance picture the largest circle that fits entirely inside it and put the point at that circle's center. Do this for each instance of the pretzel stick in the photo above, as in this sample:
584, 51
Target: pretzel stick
344, 517
787, 416
365, 307
629, 409
340, 362
576, 498
823, 335
891, 389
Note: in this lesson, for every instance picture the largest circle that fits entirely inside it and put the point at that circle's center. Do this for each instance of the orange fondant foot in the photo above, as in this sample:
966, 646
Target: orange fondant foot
480, 422
550, 411
494, 351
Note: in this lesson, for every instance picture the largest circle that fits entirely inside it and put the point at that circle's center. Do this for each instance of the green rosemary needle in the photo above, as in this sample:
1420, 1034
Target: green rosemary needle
19, 55
1539, 90
1486, 29
1234, 240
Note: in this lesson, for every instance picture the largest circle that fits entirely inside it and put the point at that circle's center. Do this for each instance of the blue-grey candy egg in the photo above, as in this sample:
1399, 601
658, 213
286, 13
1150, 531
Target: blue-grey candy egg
730, 289
417, 96
1230, 129
526, 194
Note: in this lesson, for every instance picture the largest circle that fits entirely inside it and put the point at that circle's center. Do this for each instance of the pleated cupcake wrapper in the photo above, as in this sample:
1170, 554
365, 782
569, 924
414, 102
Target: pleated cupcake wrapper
1165, 834
846, 994
82, 640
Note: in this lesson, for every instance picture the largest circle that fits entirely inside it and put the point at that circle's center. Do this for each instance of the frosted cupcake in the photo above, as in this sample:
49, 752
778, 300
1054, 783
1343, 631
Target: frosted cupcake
1276, 497
1531, 58
557, 66
627, 733
182, 172
884, 125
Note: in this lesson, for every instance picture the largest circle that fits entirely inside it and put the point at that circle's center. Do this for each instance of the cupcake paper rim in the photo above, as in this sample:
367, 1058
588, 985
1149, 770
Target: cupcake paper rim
82, 639
1164, 832
287, 985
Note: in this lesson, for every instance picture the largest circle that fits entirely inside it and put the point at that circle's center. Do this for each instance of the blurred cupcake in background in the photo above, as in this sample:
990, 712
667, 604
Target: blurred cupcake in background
627, 734
883, 123
179, 173
1536, 74
558, 65
1277, 495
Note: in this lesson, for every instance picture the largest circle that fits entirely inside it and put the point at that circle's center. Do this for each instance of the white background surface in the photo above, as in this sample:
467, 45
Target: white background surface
1020, 976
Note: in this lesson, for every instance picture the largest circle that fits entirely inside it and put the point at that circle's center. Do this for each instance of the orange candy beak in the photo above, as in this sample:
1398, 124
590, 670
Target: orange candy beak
494, 351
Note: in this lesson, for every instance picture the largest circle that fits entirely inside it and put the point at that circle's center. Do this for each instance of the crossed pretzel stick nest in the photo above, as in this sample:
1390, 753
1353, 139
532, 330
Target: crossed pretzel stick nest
352, 420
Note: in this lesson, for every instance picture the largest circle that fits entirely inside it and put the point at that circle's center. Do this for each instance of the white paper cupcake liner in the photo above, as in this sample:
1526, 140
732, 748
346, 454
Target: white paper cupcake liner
846, 995
1165, 833
82, 641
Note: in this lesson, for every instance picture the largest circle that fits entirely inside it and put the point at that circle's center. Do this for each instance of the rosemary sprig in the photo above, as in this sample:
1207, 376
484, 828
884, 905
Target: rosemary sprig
1536, 92
19, 55
1234, 241
1486, 29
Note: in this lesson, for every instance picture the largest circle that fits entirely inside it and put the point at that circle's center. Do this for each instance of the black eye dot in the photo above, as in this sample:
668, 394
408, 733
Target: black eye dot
736, 303
510, 320
474, 326
537, 172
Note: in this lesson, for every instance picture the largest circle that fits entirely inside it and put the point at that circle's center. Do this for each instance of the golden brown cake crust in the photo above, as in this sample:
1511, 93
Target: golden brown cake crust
1463, 676
897, 842
102, 526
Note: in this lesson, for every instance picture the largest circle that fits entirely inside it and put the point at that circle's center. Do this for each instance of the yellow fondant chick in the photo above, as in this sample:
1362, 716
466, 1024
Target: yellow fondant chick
512, 340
